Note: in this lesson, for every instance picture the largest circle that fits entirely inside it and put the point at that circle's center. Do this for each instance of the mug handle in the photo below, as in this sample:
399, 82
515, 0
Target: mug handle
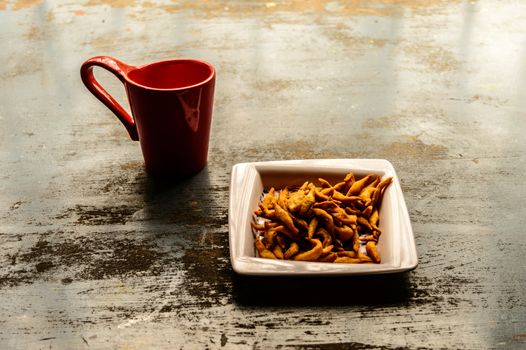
120, 70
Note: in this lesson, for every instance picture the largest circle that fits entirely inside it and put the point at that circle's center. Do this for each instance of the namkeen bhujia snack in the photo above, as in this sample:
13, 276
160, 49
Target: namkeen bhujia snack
323, 222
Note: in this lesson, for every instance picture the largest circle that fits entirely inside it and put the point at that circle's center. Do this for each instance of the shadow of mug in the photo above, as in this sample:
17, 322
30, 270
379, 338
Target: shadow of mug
171, 103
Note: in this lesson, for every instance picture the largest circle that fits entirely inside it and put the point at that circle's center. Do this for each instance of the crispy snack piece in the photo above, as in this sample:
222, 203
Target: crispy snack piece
293, 250
347, 253
326, 217
364, 222
313, 225
328, 258
280, 240
327, 250
283, 197
346, 260
307, 202
313, 254
372, 252
324, 196
344, 233
356, 241
304, 186
295, 199
257, 227
342, 216
278, 252
267, 203
285, 231
373, 219
324, 222
380, 189
357, 186
367, 192
284, 216
299, 222
269, 237
326, 236
367, 211
264, 252
347, 199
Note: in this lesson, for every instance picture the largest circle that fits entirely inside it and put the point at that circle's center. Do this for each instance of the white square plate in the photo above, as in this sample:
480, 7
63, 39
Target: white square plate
249, 180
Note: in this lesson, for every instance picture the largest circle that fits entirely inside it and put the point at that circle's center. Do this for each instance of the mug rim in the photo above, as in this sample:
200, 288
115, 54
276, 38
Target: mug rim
182, 59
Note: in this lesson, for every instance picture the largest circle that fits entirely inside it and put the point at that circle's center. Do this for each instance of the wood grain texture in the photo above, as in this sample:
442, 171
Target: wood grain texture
96, 254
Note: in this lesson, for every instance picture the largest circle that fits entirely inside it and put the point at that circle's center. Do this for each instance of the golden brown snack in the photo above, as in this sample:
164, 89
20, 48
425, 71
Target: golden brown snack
324, 183
283, 197
284, 216
364, 258
344, 233
280, 240
373, 219
267, 203
364, 222
285, 231
313, 225
326, 237
299, 222
313, 254
346, 199
342, 216
295, 200
293, 250
356, 241
377, 196
319, 195
327, 250
367, 192
278, 252
372, 252
347, 253
324, 222
264, 252
346, 260
307, 202
357, 186
327, 258
326, 217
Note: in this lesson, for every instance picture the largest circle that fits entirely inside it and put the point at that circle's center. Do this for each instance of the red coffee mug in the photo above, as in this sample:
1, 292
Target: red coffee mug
171, 103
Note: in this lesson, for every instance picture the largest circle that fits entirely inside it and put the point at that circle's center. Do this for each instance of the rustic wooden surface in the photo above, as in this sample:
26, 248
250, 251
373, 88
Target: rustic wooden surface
96, 254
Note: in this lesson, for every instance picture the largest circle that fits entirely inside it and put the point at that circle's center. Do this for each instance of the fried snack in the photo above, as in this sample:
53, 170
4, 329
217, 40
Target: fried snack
367, 192
264, 252
357, 186
307, 202
326, 237
324, 223
284, 216
283, 197
372, 252
278, 252
344, 233
328, 258
326, 217
313, 254
347, 260
313, 225
293, 250
295, 199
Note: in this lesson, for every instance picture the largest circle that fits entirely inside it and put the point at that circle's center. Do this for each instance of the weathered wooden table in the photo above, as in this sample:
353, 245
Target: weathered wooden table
96, 254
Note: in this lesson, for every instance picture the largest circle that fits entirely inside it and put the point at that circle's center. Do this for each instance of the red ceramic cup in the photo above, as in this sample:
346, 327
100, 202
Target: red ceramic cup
171, 103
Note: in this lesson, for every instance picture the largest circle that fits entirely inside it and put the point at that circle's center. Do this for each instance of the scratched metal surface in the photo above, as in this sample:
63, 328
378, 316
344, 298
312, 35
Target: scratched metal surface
96, 254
